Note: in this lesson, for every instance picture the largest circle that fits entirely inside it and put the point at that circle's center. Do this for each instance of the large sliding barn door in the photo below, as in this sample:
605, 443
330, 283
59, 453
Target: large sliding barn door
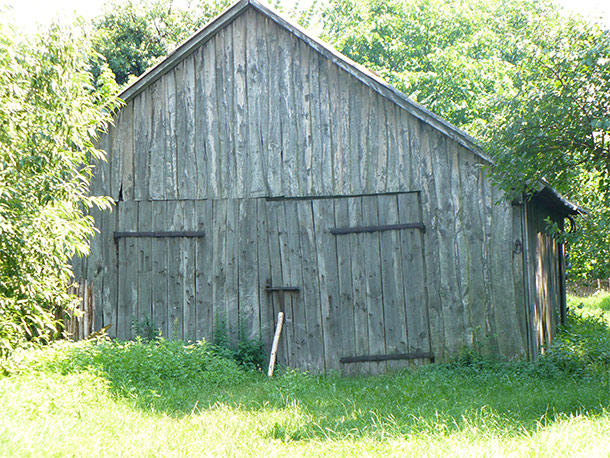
358, 265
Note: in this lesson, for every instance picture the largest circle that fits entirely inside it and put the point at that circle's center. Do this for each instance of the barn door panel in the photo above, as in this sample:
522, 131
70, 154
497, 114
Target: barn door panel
387, 277
157, 245
358, 265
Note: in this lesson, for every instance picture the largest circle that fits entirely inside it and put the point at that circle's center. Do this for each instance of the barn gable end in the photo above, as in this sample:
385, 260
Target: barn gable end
255, 156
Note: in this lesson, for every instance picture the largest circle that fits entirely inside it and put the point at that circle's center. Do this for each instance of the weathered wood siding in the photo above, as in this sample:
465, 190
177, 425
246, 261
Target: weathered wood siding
546, 284
255, 113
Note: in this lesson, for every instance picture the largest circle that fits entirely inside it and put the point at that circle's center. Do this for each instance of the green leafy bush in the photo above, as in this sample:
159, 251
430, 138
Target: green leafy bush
582, 346
249, 353
49, 118
134, 362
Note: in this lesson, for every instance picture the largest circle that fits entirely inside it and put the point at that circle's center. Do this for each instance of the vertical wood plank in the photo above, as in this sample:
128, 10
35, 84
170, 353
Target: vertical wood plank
379, 164
232, 270
315, 126
421, 148
212, 114
201, 83
170, 178
372, 137
219, 265
393, 168
88, 267
374, 293
358, 106
175, 266
328, 279
456, 161
204, 270
519, 275
359, 284
255, 101
160, 272
276, 105
128, 269
345, 138
106, 266
475, 262
314, 337
186, 160
487, 202
412, 137
158, 142
289, 278
346, 297
301, 77
126, 137
413, 270
145, 266
401, 169
328, 86
277, 251
189, 266
505, 313
224, 95
393, 292
95, 268
142, 144
240, 158
292, 269
446, 211
263, 240
117, 149
249, 308
287, 115
110, 263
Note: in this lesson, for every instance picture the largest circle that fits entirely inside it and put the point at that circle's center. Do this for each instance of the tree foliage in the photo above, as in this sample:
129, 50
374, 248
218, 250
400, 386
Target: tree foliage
133, 35
49, 118
557, 128
531, 83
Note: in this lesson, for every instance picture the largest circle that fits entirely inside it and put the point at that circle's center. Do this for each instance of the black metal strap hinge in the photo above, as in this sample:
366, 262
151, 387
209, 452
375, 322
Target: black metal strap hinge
397, 356
387, 227
118, 235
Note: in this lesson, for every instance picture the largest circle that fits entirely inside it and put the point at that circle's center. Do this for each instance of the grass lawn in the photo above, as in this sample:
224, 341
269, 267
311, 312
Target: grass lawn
161, 399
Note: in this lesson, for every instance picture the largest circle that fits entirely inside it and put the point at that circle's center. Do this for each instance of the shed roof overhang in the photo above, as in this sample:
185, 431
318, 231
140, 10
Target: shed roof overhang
550, 198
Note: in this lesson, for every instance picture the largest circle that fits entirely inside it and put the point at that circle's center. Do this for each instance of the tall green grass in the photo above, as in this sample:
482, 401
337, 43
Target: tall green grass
166, 399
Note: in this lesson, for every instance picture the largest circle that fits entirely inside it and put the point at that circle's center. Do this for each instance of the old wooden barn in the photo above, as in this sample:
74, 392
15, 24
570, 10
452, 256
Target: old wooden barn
256, 166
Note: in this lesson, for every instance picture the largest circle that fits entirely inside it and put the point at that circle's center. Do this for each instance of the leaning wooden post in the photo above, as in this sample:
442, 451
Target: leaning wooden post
280, 321
276, 339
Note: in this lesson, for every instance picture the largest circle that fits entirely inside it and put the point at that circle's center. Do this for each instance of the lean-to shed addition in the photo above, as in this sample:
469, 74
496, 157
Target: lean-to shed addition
256, 167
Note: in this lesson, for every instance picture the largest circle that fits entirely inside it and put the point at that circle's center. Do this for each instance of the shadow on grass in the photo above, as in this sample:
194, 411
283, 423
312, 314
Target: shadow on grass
179, 380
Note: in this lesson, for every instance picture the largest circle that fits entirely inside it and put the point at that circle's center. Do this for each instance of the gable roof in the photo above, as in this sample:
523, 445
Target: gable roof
354, 69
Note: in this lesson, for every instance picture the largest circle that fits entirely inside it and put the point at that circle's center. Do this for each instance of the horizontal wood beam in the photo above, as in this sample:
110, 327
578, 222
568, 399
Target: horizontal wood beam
118, 235
367, 358
387, 227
